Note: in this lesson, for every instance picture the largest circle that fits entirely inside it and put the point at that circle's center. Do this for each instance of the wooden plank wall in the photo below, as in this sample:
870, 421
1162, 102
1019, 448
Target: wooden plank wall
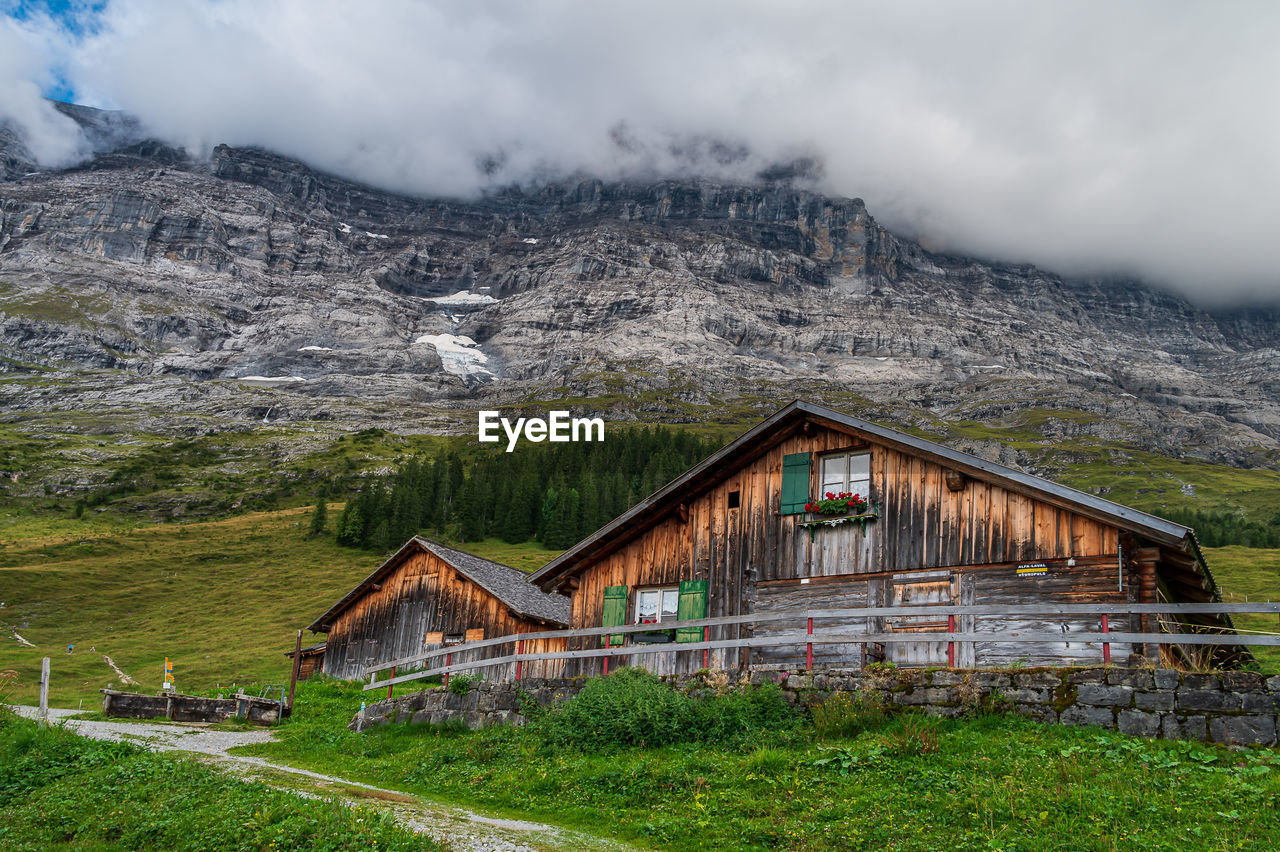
1095, 581
824, 593
923, 525
425, 594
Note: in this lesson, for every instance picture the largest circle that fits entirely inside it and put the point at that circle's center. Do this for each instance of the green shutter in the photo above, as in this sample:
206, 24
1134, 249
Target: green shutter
615, 613
795, 483
693, 605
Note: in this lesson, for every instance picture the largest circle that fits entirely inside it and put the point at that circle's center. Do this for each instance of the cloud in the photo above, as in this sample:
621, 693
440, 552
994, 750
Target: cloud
27, 51
1090, 138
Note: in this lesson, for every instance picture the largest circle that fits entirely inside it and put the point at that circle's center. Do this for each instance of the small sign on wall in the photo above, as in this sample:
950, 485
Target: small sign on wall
436, 638
475, 634
1033, 569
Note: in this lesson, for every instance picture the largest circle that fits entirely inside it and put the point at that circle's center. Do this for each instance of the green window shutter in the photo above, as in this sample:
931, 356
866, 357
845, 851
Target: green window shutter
615, 613
693, 604
795, 483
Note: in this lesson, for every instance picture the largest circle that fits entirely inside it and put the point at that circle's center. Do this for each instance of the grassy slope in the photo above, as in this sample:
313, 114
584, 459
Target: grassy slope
222, 599
1248, 574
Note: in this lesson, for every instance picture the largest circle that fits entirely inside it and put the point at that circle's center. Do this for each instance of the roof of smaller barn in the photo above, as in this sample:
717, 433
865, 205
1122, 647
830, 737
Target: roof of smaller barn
507, 584
317, 648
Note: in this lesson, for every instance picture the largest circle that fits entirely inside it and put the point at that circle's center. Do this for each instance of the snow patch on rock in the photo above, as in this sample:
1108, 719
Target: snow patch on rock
459, 354
463, 297
271, 380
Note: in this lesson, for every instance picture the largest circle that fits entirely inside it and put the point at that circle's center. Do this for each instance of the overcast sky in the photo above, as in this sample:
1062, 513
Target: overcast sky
1134, 138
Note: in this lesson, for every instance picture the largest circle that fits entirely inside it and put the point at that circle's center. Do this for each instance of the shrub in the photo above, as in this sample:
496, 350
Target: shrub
633, 708
844, 715
460, 684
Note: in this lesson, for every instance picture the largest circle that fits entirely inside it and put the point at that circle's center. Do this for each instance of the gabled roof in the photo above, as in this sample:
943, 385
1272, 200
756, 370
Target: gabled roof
317, 648
757, 441
507, 584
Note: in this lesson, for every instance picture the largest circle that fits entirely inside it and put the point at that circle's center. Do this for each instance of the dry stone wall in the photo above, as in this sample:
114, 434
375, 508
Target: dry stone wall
1233, 708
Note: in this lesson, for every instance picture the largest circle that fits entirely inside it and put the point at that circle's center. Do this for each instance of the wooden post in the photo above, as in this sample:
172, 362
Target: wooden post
44, 692
706, 652
448, 661
808, 649
297, 663
607, 637
1147, 559
519, 663
391, 686
1106, 646
951, 644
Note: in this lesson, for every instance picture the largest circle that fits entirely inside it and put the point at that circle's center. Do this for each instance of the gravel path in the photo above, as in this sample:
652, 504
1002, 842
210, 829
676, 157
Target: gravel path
457, 828
159, 736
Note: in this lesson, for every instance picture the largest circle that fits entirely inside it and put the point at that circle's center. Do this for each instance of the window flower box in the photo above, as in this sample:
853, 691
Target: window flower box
834, 510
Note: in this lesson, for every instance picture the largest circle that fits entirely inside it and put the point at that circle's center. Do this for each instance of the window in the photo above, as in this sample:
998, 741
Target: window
735, 499
849, 472
654, 606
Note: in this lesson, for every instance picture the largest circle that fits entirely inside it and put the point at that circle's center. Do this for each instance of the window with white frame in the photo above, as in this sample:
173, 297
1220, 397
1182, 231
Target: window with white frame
843, 472
654, 606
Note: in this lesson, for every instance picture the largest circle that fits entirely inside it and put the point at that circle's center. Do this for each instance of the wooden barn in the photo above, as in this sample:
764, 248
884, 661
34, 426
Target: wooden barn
311, 660
428, 596
736, 535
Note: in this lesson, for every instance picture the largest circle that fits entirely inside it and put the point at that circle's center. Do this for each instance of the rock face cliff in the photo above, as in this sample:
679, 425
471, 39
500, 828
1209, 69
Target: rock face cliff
247, 285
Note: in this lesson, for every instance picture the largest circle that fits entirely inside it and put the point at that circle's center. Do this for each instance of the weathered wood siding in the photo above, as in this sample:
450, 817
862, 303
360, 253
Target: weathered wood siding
748, 554
426, 595
311, 663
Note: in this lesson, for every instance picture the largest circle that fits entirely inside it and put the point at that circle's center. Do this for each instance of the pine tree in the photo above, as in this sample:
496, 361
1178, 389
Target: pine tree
380, 538
319, 517
350, 531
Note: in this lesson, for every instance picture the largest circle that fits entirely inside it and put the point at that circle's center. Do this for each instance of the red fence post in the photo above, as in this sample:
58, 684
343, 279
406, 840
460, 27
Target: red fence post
519, 663
951, 644
607, 637
448, 661
706, 652
393, 676
808, 649
1106, 646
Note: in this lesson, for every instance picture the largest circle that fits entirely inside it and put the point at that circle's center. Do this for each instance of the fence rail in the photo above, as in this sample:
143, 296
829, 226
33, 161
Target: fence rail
825, 636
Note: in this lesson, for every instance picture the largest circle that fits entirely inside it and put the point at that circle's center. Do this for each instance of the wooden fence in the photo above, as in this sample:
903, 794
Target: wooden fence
806, 636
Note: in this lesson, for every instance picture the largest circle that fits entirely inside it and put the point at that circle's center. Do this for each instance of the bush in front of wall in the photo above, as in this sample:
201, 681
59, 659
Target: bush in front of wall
460, 684
634, 708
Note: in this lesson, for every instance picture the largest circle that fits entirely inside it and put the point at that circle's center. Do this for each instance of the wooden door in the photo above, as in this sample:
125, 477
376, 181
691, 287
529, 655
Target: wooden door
925, 588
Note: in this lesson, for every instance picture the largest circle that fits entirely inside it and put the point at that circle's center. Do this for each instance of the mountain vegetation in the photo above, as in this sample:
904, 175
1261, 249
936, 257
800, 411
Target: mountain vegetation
554, 494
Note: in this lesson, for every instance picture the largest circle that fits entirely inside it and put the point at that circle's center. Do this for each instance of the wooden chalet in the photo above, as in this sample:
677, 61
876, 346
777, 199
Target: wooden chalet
733, 537
428, 596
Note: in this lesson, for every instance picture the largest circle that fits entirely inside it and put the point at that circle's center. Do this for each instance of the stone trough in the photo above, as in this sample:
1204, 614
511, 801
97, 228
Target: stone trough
190, 708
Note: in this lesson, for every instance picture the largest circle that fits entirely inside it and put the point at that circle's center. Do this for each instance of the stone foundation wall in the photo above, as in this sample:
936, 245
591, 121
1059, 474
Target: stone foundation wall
1234, 708
486, 703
